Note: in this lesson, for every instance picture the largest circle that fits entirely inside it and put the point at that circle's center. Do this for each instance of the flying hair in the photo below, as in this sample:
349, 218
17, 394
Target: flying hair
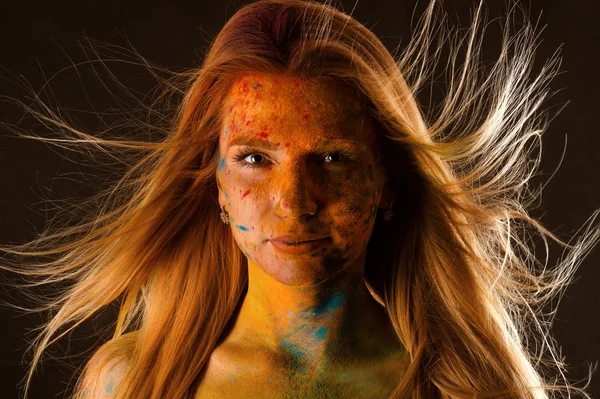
456, 270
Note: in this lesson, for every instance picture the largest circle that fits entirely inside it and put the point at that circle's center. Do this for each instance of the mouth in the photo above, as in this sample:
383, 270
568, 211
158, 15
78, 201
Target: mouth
295, 246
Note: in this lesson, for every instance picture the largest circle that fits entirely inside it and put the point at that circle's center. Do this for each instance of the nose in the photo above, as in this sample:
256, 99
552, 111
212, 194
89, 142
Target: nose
293, 196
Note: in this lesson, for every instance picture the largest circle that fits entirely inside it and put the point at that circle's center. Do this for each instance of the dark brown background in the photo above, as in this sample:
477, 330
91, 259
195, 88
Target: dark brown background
38, 39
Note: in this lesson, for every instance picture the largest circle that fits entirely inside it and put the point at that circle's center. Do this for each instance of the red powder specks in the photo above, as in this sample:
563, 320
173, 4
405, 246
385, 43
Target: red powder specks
306, 114
286, 145
244, 88
264, 135
277, 144
246, 193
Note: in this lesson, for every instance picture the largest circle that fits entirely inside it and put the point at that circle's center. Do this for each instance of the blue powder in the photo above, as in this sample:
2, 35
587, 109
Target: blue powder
222, 163
292, 349
322, 333
256, 86
243, 228
244, 251
296, 356
328, 306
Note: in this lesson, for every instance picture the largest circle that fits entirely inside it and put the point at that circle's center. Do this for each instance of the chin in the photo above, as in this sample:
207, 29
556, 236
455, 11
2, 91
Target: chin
303, 271
295, 272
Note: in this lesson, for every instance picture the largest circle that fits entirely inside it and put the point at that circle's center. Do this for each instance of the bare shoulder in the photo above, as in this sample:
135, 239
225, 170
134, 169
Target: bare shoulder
111, 375
228, 371
212, 381
105, 370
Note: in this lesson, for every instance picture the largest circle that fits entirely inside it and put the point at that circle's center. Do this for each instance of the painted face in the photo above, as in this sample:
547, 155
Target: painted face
298, 175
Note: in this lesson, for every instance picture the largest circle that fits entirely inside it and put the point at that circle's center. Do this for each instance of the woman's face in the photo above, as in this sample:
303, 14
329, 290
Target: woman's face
299, 175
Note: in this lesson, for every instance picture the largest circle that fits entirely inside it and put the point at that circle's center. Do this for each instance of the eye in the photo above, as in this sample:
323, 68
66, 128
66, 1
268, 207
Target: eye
255, 159
339, 156
334, 157
250, 158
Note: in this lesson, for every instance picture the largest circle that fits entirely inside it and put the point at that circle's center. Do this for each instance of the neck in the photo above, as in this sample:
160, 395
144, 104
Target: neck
315, 326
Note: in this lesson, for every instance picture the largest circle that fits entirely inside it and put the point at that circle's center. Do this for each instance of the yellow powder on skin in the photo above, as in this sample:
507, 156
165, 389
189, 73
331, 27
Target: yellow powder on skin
298, 158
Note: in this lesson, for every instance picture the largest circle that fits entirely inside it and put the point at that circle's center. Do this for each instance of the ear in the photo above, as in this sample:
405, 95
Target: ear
387, 197
222, 197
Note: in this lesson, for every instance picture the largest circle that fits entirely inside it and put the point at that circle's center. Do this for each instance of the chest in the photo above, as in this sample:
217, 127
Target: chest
264, 381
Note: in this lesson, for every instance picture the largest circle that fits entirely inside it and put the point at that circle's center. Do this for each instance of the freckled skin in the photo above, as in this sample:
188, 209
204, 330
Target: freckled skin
298, 156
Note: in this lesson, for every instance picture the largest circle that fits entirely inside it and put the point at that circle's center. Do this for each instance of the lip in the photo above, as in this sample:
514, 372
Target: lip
296, 238
295, 245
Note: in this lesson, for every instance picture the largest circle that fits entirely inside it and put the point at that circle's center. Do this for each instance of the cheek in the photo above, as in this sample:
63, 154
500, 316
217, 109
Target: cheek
358, 200
242, 208
246, 201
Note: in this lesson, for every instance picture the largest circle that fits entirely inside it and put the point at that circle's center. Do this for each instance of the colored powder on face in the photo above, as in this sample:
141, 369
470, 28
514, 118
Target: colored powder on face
222, 163
109, 387
226, 132
244, 251
307, 114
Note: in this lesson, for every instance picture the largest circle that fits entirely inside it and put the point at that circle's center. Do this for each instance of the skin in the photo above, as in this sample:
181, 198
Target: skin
298, 156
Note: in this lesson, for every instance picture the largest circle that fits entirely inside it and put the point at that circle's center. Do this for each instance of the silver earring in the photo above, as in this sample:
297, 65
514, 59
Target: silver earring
224, 216
389, 214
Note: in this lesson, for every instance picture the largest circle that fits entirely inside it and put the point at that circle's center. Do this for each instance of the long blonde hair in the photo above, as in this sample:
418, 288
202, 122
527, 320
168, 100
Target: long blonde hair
455, 269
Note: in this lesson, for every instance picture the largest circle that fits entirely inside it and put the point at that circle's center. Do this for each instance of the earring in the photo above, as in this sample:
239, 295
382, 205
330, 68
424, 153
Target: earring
389, 214
224, 216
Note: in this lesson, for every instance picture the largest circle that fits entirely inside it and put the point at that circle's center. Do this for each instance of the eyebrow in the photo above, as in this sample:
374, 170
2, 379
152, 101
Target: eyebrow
250, 141
243, 139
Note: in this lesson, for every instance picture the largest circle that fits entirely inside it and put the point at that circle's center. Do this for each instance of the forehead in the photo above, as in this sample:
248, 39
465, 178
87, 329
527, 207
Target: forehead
309, 107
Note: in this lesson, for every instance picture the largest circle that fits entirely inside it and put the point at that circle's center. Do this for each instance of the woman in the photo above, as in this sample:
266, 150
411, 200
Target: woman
305, 230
